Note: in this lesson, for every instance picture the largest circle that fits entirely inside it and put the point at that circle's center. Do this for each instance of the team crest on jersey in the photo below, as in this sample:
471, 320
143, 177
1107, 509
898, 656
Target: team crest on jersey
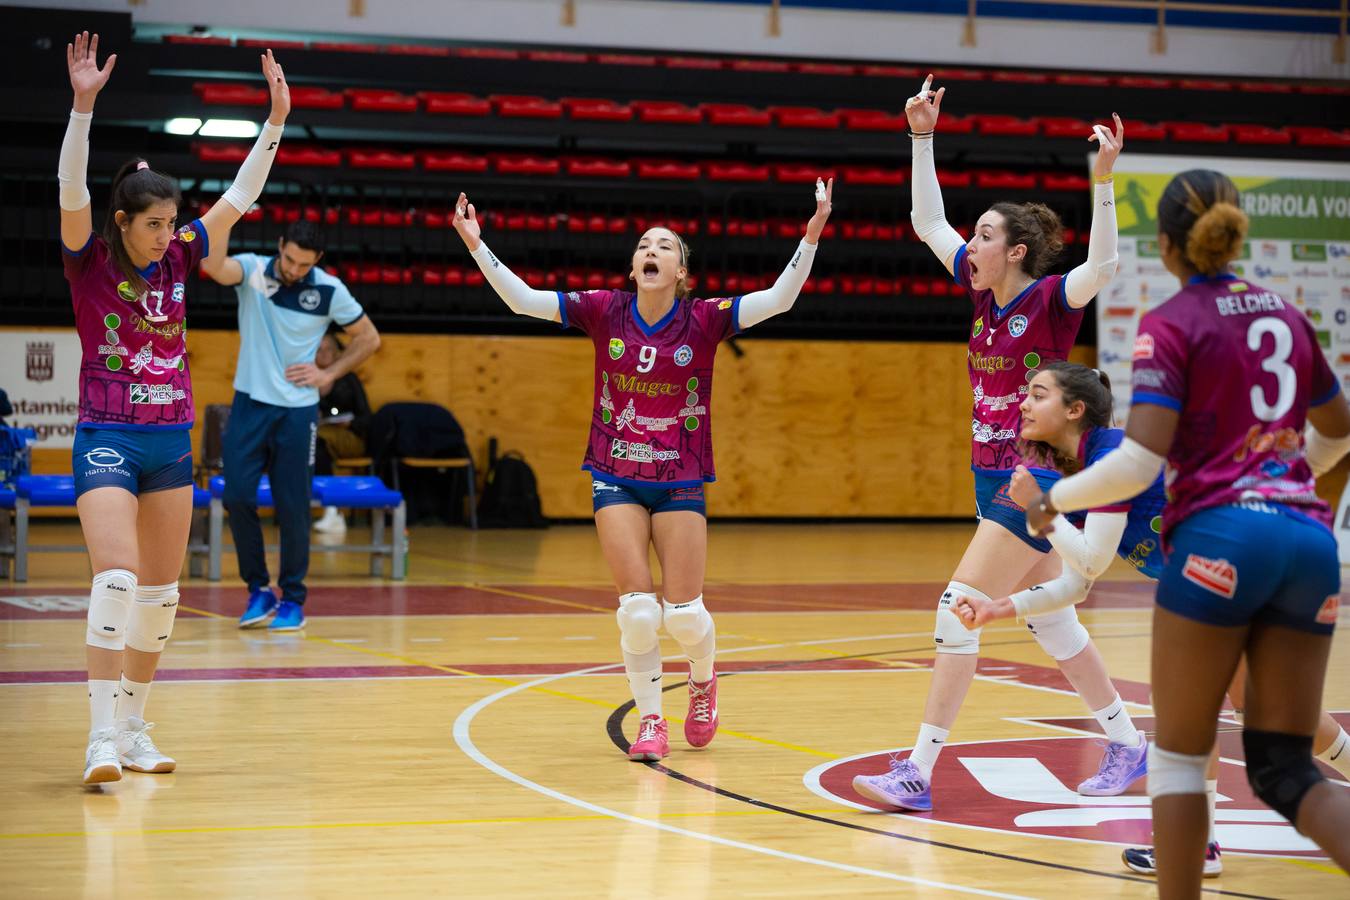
186, 234
1330, 610
684, 355
309, 299
1218, 576
615, 348
979, 327
127, 292
1143, 347
725, 304
1017, 326
178, 291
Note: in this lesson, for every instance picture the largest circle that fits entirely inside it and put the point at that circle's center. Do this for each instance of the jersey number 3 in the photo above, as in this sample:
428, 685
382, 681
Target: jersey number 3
1277, 364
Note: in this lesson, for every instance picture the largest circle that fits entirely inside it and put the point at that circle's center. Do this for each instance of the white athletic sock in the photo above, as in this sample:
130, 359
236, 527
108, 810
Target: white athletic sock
1338, 754
102, 704
131, 699
701, 657
927, 746
644, 680
1117, 724
1211, 797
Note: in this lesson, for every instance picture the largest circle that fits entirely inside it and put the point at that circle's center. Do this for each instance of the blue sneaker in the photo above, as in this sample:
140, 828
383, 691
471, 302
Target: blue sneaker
290, 617
262, 604
903, 787
1121, 767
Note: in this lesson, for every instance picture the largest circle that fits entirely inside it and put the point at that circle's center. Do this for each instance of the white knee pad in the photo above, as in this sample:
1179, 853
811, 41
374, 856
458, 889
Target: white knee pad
1059, 633
639, 622
1175, 773
110, 602
152, 617
688, 623
950, 635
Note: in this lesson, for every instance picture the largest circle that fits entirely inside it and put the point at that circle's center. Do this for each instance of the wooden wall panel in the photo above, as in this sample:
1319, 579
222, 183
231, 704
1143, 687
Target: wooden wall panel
801, 428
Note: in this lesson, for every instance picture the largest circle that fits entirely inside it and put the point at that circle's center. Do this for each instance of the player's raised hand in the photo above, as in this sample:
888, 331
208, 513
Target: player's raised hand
922, 109
86, 78
1110, 146
824, 195
278, 88
1023, 487
466, 223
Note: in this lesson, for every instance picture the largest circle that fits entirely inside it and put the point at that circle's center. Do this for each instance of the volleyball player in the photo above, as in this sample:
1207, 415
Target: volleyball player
132, 457
650, 449
1023, 319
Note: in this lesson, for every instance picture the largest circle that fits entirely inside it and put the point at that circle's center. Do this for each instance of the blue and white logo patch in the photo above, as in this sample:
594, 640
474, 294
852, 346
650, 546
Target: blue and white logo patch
1017, 326
684, 355
178, 292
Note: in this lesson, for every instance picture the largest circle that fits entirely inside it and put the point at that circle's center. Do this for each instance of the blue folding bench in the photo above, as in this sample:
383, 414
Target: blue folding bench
343, 491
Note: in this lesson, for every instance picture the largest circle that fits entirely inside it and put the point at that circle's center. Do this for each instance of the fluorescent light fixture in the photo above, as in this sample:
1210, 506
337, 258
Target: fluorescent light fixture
235, 128
182, 126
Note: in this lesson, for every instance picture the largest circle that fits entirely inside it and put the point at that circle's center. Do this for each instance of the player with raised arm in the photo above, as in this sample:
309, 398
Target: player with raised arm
132, 457
650, 447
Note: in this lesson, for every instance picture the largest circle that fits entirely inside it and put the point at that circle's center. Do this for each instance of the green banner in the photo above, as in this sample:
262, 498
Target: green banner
1279, 208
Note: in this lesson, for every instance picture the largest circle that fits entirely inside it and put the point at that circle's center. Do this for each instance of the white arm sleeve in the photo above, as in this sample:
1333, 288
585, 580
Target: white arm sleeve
1123, 473
248, 184
1089, 552
759, 305
518, 295
928, 215
73, 168
1323, 452
1066, 590
1087, 280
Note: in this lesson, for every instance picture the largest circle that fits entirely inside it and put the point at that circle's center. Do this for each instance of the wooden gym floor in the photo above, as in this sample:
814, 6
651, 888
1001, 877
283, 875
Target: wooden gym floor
461, 735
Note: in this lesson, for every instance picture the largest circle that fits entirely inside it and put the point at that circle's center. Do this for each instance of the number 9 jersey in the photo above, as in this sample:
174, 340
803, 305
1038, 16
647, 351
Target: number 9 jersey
1242, 367
651, 422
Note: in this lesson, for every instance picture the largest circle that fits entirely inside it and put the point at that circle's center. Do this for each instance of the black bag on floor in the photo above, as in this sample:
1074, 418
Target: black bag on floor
511, 496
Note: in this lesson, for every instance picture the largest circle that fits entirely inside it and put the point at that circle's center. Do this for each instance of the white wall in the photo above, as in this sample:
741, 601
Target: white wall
742, 28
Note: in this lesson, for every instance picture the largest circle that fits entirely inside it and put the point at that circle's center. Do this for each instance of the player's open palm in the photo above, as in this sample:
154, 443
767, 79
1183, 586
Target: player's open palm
466, 223
277, 87
824, 196
922, 109
86, 78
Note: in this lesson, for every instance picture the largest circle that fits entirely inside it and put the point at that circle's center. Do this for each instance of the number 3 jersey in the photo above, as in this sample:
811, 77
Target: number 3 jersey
134, 372
1242, 367
651, 420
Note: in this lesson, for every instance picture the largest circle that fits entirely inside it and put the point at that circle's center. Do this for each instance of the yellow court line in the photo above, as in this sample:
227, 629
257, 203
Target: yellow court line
538, 599
414, 823
1316, 867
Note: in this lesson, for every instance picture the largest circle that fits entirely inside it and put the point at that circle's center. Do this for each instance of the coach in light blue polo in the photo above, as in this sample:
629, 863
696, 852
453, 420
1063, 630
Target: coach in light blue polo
286, 304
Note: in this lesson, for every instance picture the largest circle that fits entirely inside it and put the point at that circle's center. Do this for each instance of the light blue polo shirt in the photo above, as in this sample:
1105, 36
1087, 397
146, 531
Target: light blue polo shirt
281, 325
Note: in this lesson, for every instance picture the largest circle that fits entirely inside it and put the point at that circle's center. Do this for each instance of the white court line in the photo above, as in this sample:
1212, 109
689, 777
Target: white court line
426, 640
503, 639
461, 731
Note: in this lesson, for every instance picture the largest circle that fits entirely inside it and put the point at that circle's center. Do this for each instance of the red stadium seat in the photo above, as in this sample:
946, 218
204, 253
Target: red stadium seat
803, 117
596, 110
810, 68
316, 98
874, 175
1265, 87
760, 65
1145, 82
597, 168
346, 47
515, 106
1204, 84
515, 164
200, 40
625, 59
473, 278
667, 169
872, 120
1196, 132
1076, 79
892, 71
219, 153
368, 100
1260, 134
417, 50
1320, 137
800, 173
1005, 181
693, 62
316, 157
1056, 181
436, 219
956, 124
1324, 89
735, 114
451, 161
826, 285
556, 56
267, 44
1005, 126
486, 53
1145, 131
667, 112
735, 171
953, 179
1022, 77
454, 104
954, 74
1056, 127
230, 94
379, 159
